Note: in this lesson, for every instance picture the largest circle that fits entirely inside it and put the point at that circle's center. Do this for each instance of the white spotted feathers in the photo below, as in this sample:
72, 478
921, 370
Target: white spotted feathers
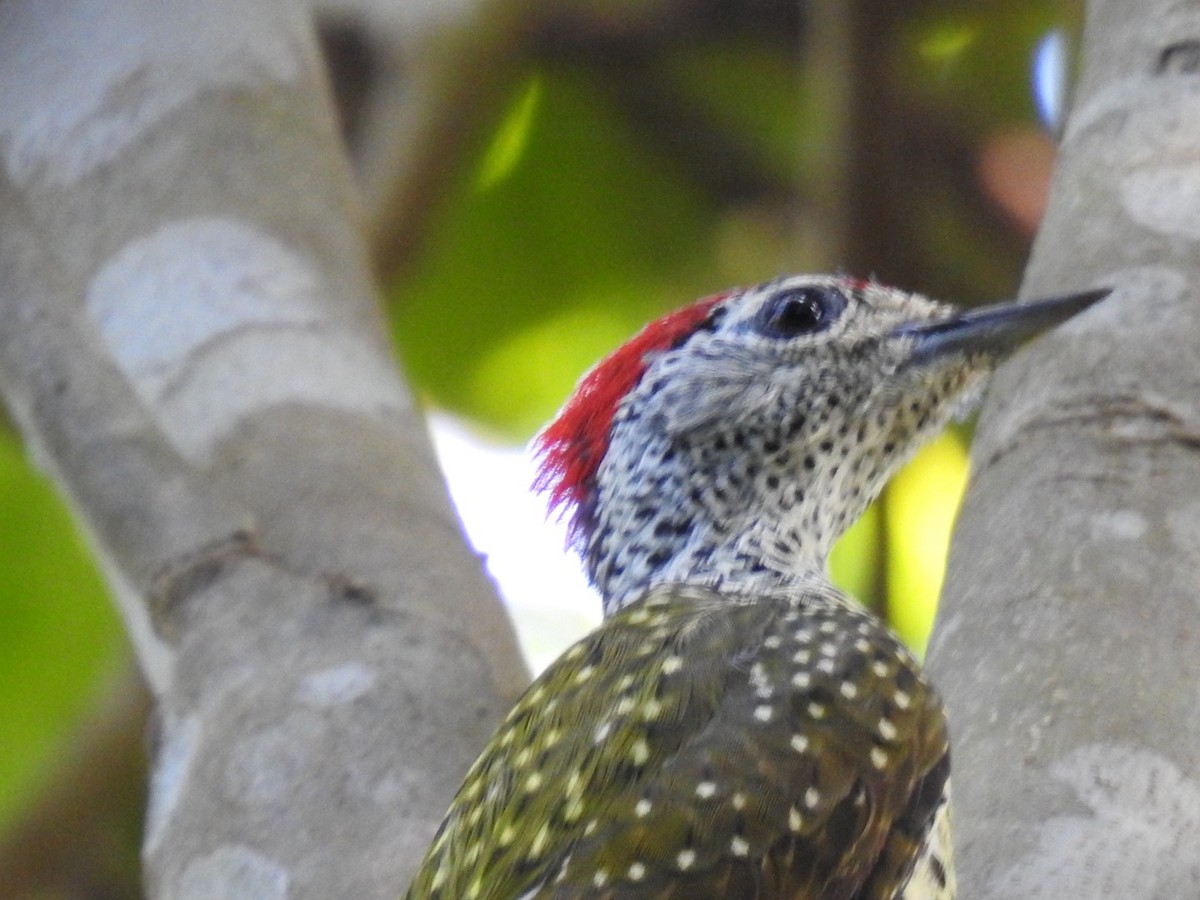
692, 777
736, 728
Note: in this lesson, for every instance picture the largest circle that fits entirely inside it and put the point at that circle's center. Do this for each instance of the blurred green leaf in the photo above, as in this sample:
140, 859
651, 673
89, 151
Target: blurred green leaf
755, 93
59, 633
854, 562
922, 501
511, 138
587, 216
974, 59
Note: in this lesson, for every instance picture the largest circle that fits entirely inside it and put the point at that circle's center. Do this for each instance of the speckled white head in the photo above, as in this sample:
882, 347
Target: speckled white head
732, 442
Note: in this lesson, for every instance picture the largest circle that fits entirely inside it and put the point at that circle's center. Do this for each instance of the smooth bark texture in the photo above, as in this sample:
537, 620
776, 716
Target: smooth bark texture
189, 340
1068, 647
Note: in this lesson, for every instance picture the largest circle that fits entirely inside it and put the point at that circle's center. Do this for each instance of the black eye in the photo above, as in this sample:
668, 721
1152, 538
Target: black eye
802, 310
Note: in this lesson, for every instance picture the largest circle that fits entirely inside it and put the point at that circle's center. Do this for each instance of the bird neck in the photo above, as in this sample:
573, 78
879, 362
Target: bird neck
739, 531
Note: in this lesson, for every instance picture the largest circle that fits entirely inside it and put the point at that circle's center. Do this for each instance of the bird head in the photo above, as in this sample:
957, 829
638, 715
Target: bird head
731, 442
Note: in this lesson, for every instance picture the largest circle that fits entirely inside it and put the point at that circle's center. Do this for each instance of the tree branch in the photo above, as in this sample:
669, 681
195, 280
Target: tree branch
189, 339
1067, 647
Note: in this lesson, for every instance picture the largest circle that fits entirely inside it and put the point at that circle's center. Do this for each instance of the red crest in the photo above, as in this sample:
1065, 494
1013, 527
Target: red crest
571, 448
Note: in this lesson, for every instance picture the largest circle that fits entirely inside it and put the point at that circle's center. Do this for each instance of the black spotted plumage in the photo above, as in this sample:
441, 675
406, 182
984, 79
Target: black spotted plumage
737, 747
736, 728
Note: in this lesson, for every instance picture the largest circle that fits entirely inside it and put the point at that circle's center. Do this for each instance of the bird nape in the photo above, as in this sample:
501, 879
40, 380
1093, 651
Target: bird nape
736, 727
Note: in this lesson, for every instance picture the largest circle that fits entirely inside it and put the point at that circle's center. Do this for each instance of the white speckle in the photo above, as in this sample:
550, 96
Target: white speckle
802, 657
812, 797
739, 846
685, 859
1164, 198
533, 782
879, 758
524, 755
1121, 525
639, 752
591, 827
337, 685
862, 645
584, 674
87, 81
172, 765
574, 809
672, 664
600, 878
828, 649
214, 319
559, 878
801, 679
795, 820
763, 713
1133, 839
848, 689
799, 743
651, 709
829, 627
902, 699
816, 710
825, 665
880, 668
602, 732
887, 730
643, 808
625, 706
506, 836
625, 683
772, 642
738, 800
803, 636
706, 789
758, 673
232, 870
637, 871
539, 840
574, 781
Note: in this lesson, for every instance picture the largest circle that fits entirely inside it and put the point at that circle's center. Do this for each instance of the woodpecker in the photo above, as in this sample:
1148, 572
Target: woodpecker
736, 727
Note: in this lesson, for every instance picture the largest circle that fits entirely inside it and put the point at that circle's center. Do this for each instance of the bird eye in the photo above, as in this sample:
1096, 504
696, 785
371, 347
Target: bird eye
802, 310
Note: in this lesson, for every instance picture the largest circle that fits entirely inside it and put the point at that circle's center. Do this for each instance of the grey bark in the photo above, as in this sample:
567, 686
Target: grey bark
191, 345
1068, 647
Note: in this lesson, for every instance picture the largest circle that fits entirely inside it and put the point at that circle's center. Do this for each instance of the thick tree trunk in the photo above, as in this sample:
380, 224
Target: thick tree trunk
189, 340
1068, 647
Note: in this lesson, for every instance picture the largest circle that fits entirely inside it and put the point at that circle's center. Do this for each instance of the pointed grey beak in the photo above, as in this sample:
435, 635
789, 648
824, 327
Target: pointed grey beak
997, 330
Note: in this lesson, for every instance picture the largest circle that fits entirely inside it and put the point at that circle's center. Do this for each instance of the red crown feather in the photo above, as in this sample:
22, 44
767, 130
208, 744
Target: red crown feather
571, 448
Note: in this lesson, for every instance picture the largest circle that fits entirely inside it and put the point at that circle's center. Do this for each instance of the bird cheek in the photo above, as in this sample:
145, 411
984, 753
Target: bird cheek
701, 403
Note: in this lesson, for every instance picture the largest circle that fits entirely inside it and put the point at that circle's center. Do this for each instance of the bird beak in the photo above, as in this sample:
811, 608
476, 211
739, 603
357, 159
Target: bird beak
995, 330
